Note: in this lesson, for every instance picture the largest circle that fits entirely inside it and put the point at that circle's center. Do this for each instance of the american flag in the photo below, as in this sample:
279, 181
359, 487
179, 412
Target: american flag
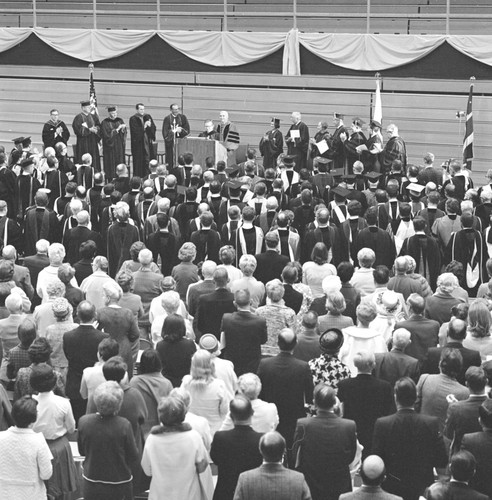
468, 139
92, 91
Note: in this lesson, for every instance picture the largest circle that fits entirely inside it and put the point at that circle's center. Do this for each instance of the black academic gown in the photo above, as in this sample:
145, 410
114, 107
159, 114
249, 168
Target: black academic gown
121, 236
114, 144
298, 147
87, 141
8, 190
50, 134
380, 242
171, 121
40, 223
271, 148
142, 143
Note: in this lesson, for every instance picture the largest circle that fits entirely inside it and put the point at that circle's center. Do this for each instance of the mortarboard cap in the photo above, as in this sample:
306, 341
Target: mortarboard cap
358, 122
18, 140
375, 123
289, 160
232, 170
111, 108
322, 160
276, 122
27, 162
340, 191
350, 178
372, 176
85, 103
234, 185
338, 115
416, 188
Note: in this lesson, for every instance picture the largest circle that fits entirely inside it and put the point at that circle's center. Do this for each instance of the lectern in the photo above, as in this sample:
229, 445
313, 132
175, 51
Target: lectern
201, 149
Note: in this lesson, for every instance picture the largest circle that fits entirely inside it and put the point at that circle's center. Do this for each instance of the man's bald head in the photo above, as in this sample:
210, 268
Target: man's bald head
372, 471
287, 340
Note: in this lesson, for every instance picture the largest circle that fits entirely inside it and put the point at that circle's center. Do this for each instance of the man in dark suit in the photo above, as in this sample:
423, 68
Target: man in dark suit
269, 264
324, 447
236, 450
462, 416
287, 382
410, 445
80, 347
75, 236
480, 445
372, 473
456, 335
212, 306
392, 366
424, 332
243, 333
462, 467
272, 481
292, 298
36, 263
365, 398
196, 290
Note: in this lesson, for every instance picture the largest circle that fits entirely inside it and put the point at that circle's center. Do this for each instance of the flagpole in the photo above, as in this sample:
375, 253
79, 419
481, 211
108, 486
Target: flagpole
469, 135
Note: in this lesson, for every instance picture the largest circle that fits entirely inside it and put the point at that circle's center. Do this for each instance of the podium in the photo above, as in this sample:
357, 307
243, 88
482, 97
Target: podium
201, 149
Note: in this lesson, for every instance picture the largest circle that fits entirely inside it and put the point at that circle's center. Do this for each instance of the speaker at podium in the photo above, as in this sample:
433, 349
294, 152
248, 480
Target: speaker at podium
201, 148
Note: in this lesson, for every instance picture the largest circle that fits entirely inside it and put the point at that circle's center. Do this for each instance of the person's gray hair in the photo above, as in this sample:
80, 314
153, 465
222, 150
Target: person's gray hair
122, 211
108, 398
275, 290
42, 246
101, 263
250, 385
366, 313
401, 338
112, 291
187, 252
170, 301
208, 269
56, 253
145, 257
76, 206
248, 261
164, 204
447, 281
9, 252
55, 288
14, 303
83, 218
366, 257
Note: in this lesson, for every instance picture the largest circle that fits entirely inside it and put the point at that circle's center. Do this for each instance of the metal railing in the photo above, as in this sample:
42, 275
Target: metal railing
224, 14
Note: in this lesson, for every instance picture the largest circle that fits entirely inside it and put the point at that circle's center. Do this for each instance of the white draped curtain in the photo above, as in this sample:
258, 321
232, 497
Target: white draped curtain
364, 52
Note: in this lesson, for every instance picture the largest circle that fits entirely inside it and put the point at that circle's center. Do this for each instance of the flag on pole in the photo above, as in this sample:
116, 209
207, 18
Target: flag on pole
468, 139
378, 107
92, 91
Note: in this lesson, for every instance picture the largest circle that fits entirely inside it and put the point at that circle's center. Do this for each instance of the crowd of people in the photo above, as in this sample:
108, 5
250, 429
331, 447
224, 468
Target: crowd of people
286, 323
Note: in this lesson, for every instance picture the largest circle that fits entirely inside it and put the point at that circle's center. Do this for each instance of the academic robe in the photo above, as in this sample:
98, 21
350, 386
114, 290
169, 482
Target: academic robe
348, 231
350, 145
142, 143
55, 181
468, 247
229, 135
425, 251
10, 233
380, 242
121, 236
298, 147
395, 149
40, 223
171, 121
163, 246
87, 141
114, 144
337, 150
322, 135
271, 147
8, 190
50, 135
207, 244
27, 185
371, 161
